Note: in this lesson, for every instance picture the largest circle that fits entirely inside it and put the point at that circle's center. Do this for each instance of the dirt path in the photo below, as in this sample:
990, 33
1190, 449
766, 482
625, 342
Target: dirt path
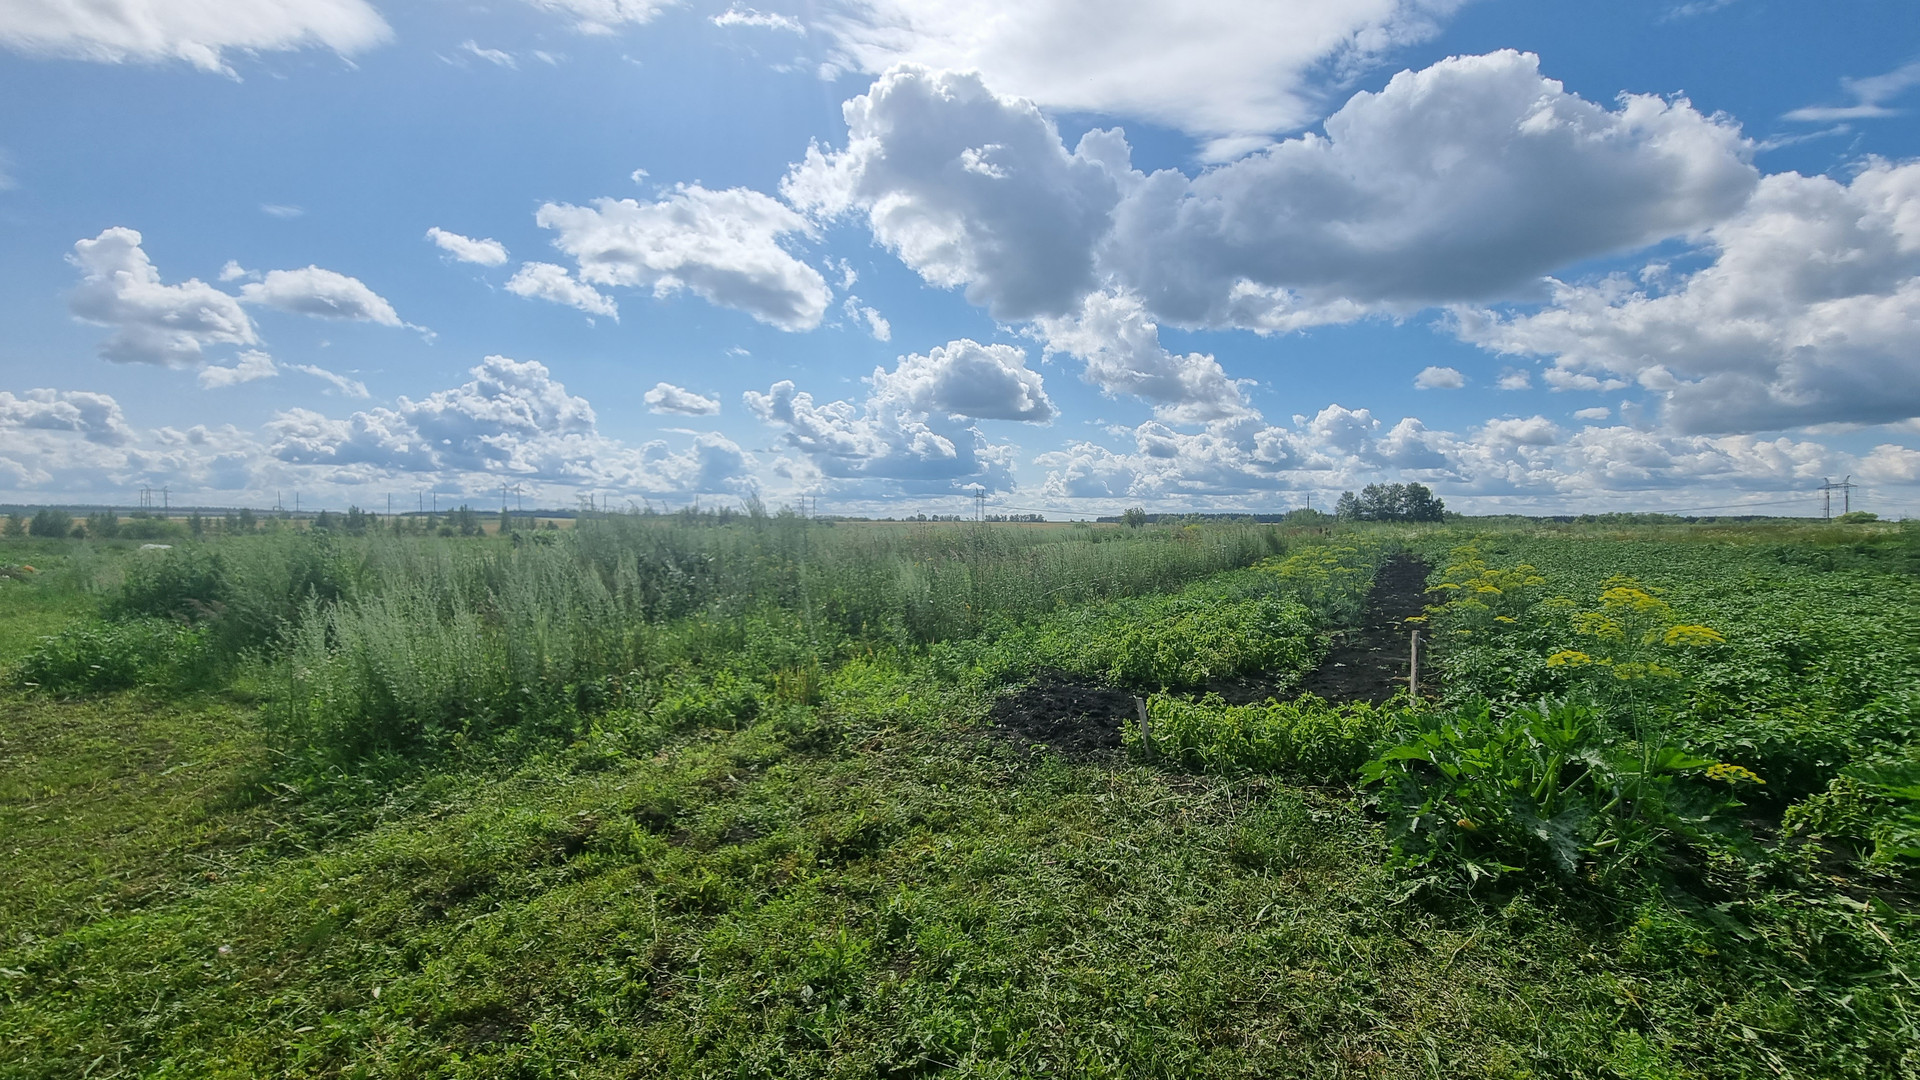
1078, 715
1370, 664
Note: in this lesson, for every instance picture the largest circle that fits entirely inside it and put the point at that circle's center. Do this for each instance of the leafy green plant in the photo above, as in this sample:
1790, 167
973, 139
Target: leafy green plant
1876, 805
93, 655
1543, 786
1307, 737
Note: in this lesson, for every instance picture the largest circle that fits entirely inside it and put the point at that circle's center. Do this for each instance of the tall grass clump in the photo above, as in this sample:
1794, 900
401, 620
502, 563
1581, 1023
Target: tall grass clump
400, 645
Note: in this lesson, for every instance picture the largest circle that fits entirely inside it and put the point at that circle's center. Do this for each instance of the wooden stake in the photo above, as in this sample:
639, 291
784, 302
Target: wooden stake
1146, 732
1413, 667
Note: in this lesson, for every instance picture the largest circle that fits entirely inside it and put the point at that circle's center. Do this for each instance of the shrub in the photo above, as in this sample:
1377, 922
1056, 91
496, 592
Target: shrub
49, 521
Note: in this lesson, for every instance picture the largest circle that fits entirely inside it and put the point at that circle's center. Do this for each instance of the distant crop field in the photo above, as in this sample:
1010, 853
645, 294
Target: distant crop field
747, 795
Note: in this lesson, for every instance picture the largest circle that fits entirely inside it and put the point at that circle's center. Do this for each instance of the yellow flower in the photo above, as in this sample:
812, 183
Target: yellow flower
1732, 774
1467, 825
1505, 619
1686, 634
1569, 658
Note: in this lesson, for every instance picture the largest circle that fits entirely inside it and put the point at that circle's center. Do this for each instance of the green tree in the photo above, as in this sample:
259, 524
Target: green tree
1134, 517
51, 522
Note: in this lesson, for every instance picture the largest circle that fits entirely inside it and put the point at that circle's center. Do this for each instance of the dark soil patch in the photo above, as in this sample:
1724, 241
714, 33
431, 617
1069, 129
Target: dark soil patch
1370, 664
1065, 713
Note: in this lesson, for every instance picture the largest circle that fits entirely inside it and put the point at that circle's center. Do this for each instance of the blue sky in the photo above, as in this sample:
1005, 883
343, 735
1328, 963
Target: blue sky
1245, 254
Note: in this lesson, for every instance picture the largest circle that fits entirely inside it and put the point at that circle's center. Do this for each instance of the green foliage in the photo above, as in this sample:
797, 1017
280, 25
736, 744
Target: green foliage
1875, 806
51, 522
1791, 669
716, 802
1178, 642
1391, 502
1308, 737
1544, 786
92, 656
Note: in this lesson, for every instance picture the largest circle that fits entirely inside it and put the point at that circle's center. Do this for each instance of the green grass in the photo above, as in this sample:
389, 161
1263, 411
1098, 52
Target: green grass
826, 863
112, 805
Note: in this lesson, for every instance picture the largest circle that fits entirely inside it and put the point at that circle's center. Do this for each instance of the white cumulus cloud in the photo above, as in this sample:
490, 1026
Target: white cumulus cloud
965, 378
1806, 315
94, 417
251, 366
969, 189
152, 322
1120, 343
1232, 72
547, 281
1468, 179
466, 249
668, 398
1439, 378
762, 20
321, 293
724, 246
884, 442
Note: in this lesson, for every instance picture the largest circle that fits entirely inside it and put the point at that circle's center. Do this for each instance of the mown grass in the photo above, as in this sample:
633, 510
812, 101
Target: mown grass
112, 805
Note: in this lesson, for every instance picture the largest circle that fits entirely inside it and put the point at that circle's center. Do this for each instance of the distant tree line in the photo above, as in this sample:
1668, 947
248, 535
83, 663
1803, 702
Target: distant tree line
1390, 502
1137, 516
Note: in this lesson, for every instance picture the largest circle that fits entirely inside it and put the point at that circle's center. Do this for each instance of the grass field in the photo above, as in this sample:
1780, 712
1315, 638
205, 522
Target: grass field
744, 799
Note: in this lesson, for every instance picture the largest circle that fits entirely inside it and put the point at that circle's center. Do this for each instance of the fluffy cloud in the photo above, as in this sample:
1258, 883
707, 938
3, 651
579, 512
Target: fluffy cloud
512, 420
252, 365
1466, 180
546, 281
1528, 463
467, 249
152, 322
1121, 346
1233, 72
94, 417
1807, 314
969, 189
198, 32
668, 398
876, 323
157, 323
604, 16
885, 440
321, 293
722, 245
1439, 378
748, 17
967, 379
